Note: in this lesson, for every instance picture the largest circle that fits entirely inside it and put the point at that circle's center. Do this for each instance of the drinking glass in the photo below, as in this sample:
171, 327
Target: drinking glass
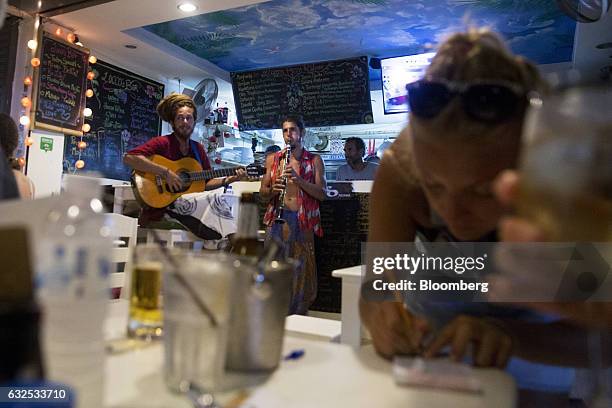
145, 315
566, 181
567, 165
197, 299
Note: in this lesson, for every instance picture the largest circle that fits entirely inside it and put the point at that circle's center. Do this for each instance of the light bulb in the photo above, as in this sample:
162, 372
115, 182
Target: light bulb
187, 7
58, 31
70, 38
89, 93
86, 127
24, 120
28, 141
92, 59
81, 145
79, 164
26, 102
27, 80
32, 44
35, 62
21, 161
87, 112
91, 75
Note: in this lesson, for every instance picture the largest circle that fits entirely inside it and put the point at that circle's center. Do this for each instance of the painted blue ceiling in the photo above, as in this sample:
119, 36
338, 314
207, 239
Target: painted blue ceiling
287, 32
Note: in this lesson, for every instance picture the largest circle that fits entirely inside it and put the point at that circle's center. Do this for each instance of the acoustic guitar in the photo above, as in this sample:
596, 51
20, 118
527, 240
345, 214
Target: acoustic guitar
151, 189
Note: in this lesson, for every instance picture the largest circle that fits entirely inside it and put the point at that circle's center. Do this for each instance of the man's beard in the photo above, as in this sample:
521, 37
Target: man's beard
183, 132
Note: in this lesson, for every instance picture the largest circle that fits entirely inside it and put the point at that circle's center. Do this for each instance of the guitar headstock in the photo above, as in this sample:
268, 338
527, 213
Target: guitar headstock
255, 170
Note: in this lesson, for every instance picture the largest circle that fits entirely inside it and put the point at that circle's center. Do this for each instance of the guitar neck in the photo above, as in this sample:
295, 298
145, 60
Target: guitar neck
210, 174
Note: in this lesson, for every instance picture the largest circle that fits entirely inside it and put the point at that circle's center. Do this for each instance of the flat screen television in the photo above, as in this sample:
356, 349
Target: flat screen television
396, 73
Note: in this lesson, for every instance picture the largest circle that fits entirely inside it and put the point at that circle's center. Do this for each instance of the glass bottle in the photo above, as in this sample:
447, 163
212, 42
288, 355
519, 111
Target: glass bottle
245, 241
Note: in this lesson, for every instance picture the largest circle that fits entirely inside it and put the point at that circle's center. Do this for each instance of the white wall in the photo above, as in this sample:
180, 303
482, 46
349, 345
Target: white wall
45, 167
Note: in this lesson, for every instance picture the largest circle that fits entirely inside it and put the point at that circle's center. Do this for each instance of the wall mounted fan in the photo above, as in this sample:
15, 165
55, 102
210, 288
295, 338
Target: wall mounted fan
585, 11
204, 96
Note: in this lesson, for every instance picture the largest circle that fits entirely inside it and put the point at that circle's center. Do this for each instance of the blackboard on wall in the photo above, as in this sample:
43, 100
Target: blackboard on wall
61, 79
329, 93
124, 117
345, 228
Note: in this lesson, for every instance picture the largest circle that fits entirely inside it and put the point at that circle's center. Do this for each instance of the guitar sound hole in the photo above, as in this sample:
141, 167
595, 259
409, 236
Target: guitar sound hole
186, 179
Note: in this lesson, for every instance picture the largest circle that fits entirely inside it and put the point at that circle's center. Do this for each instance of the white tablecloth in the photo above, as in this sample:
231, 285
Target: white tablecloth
328, 375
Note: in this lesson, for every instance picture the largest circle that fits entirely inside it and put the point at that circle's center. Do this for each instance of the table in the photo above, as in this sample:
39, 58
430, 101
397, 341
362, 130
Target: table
328, 375
351, 322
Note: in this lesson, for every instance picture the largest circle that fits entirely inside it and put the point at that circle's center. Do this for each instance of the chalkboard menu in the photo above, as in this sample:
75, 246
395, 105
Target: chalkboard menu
124, 117
345, 228
329, 93
60, 95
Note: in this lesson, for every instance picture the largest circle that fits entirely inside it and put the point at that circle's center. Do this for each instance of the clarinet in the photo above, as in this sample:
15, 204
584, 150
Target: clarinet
280, 205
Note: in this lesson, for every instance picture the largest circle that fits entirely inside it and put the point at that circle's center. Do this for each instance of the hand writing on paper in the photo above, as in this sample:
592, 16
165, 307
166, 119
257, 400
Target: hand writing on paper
394, 329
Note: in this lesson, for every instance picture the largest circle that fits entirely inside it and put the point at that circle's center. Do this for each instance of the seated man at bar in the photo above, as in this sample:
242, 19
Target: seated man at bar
355, 168
293, 185
435, 183
180, 112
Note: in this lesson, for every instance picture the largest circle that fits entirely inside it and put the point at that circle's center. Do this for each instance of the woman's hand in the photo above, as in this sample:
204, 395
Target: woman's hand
514, 229
394, 330
492, 346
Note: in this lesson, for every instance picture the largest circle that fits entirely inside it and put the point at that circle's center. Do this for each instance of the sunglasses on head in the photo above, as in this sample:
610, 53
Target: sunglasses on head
484, 101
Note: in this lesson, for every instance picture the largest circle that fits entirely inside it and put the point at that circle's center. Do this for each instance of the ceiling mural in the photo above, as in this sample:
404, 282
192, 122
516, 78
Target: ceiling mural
286, 32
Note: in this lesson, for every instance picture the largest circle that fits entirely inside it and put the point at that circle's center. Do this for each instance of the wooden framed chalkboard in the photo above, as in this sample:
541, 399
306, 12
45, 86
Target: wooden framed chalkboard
328, 93
124, 117
59, 97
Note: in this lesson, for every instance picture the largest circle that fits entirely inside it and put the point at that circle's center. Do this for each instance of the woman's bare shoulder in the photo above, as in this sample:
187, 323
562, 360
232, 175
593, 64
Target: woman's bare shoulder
397, 168
399, 159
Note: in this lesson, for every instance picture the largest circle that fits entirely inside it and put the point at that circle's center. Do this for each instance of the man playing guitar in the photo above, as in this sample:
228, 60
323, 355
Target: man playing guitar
180, 111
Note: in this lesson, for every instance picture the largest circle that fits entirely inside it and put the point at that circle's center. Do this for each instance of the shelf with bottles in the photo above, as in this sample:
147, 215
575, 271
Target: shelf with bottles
223, 127
229, 163
262, 137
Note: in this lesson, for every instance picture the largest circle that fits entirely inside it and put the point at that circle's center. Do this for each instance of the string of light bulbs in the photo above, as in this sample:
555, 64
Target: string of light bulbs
26, 101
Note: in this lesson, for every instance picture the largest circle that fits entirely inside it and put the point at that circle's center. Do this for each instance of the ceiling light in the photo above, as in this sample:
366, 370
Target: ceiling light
187, 7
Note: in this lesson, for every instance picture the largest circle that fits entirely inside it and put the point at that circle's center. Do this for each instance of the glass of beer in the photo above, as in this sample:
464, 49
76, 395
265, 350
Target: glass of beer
145, 317
566, 168
566, 185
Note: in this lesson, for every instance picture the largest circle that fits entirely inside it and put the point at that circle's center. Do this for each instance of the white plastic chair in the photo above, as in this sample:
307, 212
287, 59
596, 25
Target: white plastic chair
173, 237
123, 231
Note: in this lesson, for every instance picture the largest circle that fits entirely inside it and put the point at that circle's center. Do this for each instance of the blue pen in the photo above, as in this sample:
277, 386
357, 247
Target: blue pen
294, 355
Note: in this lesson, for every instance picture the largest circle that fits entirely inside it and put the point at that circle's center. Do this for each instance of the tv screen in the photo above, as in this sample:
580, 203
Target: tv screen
396, 73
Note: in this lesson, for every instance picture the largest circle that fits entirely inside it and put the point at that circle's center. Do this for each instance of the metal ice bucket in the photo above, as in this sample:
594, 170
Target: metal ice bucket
260, 303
